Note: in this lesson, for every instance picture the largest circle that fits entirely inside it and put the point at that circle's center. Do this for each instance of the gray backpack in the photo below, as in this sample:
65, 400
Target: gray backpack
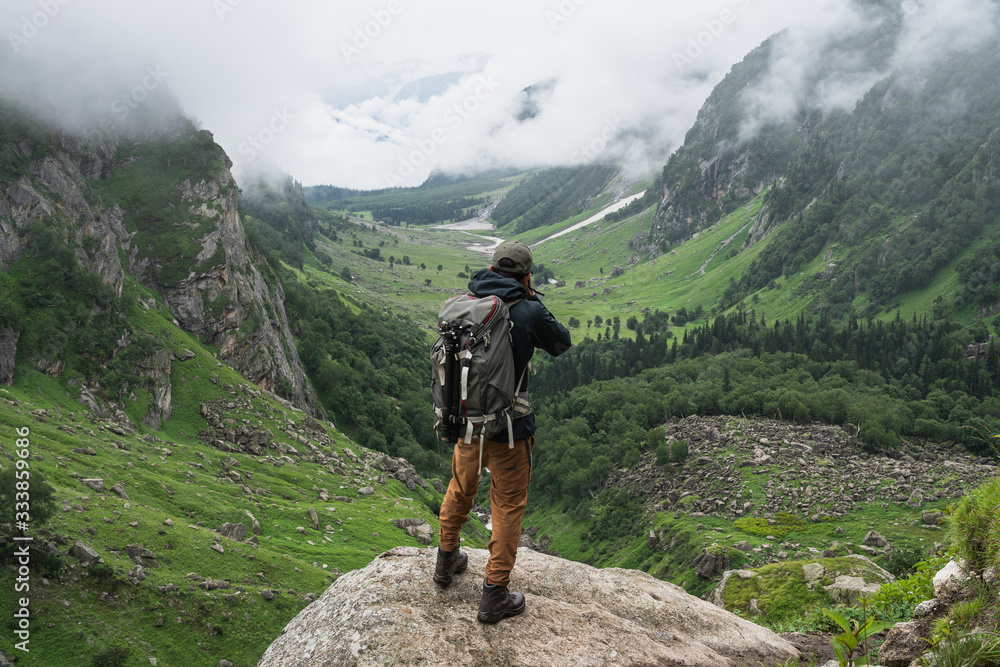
472, 371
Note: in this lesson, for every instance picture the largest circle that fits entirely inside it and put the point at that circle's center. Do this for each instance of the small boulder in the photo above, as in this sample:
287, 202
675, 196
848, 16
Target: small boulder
904, 644
949, 582
876, 540
812, 572
366, 491
140, 555
707, 565
85, 554
932, 518
424, 533
232, 531
95, 483
925, 608
214, 584
848, 590
254, 524
119, 488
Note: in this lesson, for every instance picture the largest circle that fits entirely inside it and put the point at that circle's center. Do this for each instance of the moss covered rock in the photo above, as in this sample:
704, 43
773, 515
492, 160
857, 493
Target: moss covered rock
782, 591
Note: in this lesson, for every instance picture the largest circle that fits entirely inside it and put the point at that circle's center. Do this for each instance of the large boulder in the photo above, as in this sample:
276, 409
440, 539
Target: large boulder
391, 611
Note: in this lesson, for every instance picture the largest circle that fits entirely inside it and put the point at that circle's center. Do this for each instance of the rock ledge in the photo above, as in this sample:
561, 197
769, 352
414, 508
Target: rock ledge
391, 612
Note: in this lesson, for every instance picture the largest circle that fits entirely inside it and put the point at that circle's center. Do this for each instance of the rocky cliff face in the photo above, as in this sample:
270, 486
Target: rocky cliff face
392, 612
721, 165
163, 209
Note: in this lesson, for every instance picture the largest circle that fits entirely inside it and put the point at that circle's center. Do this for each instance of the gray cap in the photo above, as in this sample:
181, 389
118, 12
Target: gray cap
513, 257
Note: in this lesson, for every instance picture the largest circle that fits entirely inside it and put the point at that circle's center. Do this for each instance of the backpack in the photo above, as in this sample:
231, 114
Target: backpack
472, 370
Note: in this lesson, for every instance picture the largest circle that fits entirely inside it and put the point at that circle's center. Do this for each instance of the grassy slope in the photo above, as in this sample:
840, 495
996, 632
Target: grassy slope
173, 475
675, 280
667, 282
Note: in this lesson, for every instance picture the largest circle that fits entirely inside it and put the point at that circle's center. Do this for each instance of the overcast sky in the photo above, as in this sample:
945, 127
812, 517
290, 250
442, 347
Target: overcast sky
374, 93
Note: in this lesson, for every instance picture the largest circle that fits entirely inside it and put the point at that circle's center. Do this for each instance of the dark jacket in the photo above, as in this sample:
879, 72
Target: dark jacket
533, 326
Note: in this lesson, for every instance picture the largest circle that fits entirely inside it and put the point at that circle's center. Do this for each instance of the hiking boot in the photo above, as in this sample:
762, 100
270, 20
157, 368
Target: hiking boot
498, 603
449, 563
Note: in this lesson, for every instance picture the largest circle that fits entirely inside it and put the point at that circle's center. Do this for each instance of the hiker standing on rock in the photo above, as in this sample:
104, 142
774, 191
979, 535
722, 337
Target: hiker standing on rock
504, 440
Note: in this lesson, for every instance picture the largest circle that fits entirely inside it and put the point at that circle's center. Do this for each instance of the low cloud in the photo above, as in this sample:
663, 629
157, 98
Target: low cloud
824, 64
383, 92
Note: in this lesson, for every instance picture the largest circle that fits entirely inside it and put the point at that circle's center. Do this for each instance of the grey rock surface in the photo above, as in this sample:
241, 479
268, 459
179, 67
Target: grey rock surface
576, 615
905, 643
232, 531
85, 554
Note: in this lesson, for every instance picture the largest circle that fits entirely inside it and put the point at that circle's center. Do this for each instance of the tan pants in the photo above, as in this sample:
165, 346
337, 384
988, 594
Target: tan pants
510, 473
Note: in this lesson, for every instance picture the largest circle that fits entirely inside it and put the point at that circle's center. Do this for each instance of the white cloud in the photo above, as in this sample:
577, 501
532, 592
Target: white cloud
818, 65
331, 73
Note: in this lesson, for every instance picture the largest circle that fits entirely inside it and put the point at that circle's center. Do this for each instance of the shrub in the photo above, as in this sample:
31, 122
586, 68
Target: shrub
663, 454
679, 451
43, 504
895, 601
965, 650
902, 561
977, 532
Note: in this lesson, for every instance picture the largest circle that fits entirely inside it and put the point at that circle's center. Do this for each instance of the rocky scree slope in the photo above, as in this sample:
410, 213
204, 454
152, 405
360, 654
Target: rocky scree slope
816, 472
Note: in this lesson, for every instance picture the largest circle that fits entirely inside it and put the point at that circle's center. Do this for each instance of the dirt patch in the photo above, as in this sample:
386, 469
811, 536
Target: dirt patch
810, 645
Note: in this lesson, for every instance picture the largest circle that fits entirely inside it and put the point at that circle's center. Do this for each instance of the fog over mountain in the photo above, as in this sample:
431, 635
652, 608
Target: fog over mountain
370, 94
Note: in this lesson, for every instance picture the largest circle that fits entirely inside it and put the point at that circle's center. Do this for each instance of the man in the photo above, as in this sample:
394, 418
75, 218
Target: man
509, 278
